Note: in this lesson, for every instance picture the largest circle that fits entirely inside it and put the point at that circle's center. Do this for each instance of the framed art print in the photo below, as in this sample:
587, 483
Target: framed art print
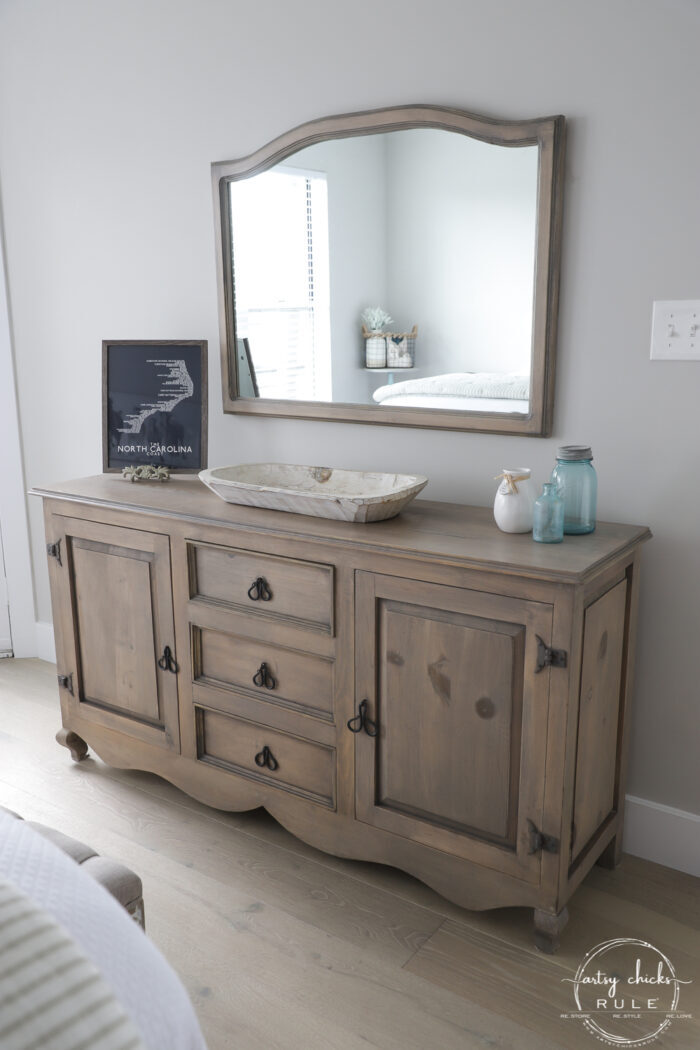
154, 404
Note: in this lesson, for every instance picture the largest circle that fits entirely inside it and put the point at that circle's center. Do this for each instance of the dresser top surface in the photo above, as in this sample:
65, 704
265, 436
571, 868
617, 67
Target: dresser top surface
443, 531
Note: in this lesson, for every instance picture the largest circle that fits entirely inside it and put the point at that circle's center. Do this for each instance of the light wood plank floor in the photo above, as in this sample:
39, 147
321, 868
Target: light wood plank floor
285, 948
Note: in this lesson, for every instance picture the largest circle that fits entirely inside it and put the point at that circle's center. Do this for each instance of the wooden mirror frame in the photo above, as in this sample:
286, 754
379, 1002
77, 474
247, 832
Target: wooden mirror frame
548, 133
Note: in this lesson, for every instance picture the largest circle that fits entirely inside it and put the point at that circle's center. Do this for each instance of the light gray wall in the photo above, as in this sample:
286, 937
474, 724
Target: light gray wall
111, 114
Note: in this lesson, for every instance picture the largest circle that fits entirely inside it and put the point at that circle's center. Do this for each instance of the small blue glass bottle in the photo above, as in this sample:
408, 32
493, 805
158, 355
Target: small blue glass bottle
577, 485
548, 516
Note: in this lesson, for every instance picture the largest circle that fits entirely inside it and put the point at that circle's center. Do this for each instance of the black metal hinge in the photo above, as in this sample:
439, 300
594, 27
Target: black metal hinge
547, 657
54, 550
65, 681
539, 841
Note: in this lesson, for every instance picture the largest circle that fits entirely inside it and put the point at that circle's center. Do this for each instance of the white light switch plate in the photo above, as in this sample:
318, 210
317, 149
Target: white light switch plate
675, 330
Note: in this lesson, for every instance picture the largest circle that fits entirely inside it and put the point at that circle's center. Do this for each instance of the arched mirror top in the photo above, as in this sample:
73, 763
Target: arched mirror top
447, 222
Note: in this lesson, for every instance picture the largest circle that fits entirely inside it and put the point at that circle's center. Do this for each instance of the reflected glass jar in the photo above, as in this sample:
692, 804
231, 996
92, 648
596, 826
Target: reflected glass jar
548, 516
577, 485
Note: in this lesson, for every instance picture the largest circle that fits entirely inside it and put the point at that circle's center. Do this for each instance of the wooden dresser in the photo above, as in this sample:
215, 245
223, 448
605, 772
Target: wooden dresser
426, 692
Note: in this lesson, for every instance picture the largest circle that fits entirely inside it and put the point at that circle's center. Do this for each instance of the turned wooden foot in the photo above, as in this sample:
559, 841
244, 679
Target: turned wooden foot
75, 744
547, 929
612, 854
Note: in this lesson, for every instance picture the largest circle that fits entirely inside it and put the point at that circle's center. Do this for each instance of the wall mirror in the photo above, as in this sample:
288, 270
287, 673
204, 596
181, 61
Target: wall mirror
448, 222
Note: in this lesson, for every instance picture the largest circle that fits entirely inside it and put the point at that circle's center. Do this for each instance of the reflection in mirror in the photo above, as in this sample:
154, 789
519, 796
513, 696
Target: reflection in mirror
439, 227
448, 227
247, 380
279, 221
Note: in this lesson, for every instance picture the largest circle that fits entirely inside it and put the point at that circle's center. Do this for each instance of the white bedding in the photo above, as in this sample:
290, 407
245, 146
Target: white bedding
51, 995
129, 962
465, 391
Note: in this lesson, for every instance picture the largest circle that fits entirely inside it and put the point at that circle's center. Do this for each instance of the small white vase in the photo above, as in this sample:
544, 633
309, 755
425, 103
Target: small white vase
515, 501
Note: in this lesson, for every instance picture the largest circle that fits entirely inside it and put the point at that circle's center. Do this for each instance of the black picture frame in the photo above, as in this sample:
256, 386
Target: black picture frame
140, 422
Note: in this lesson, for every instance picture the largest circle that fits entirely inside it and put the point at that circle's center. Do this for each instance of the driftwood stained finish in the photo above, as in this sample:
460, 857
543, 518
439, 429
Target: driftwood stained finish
290, 589
299, 766
494, 782
291, 678
455, 688
114, 600
603, 640
459, 759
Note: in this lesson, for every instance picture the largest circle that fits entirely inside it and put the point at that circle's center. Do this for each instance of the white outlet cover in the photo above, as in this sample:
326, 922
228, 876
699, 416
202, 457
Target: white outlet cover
673, 337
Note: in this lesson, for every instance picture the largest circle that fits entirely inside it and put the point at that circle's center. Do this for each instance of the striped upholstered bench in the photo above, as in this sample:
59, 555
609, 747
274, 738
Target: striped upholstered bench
124, 884
70, 955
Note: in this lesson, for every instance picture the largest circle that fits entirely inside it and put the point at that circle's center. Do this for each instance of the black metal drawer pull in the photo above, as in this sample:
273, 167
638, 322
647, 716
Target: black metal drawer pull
262, 677
266, 758
168, 662
259, 590
363, 721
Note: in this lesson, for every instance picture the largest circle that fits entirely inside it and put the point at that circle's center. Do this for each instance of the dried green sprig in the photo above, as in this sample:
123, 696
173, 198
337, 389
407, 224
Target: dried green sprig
375, 318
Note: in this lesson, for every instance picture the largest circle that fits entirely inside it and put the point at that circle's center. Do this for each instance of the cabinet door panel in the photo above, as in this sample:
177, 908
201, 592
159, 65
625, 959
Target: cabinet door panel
450, 699
116, 602
599, 712
115, 627
450, 679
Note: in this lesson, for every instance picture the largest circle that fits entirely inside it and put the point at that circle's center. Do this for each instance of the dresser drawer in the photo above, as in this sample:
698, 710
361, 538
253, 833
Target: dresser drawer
301, 767
271, 673
300, 592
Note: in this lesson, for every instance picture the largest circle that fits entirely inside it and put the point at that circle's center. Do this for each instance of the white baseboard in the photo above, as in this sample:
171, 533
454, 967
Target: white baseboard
663, 834
45, 645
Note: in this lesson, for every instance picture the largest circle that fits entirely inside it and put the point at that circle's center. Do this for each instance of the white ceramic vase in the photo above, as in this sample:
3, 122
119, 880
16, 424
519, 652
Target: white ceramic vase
514, 504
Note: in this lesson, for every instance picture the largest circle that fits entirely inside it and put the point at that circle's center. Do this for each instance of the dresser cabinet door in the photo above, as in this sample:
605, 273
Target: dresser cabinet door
453, 753
113, 614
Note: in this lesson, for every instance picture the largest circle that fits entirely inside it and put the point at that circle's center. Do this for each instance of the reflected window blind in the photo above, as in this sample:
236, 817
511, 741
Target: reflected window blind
279, 224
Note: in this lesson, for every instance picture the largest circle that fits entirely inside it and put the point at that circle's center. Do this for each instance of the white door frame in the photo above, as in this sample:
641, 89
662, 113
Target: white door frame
5, 639
13, 499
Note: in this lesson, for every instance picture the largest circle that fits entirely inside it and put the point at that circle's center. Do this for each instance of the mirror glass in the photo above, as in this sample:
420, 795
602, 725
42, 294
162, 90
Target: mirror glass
433, 228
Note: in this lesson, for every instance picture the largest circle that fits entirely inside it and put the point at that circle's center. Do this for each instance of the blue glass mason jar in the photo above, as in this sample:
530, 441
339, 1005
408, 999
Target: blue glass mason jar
548, 516
577, 485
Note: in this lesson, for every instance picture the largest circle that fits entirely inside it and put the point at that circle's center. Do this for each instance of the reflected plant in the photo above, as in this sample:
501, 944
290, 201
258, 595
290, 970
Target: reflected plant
375, 318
